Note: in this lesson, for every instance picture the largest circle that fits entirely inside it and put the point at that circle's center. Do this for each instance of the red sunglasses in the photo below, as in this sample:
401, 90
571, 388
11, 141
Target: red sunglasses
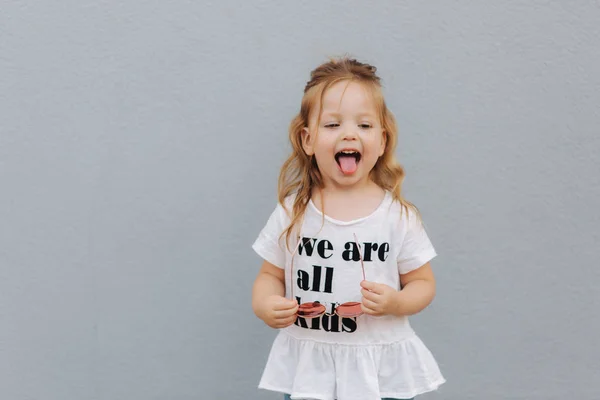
315, 309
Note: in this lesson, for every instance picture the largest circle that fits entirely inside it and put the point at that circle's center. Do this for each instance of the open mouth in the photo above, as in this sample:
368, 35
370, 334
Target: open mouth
348, 160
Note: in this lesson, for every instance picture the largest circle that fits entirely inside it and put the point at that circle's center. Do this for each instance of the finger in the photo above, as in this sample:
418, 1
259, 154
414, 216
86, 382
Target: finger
286, 322
370, 295
285, 304
372, 287
367, 284
285, 313
378, 289
370, 304
369, 311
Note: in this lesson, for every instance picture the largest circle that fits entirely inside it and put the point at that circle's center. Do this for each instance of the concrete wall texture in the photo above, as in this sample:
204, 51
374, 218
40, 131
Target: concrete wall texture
140, 144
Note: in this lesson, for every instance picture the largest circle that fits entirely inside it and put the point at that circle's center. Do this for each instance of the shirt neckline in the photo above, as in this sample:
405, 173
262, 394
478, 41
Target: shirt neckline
383, 202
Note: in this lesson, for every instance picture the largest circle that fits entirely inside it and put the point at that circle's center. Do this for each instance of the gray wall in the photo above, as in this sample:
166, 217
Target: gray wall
140, 144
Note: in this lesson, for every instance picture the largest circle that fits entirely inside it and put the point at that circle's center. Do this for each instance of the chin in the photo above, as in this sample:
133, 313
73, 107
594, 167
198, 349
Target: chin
349, 181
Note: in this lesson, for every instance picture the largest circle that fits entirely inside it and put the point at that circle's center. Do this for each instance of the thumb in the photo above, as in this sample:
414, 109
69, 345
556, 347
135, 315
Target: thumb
288, 303
371, 286
368, 285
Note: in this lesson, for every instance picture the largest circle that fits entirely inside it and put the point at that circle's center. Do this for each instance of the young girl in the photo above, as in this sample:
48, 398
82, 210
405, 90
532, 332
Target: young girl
346, 258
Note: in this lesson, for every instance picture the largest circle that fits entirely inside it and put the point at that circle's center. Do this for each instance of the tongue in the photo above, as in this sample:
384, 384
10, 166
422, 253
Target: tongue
347, 164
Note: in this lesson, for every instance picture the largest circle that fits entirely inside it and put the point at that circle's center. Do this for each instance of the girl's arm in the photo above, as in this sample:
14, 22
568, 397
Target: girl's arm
268, 301
418, 291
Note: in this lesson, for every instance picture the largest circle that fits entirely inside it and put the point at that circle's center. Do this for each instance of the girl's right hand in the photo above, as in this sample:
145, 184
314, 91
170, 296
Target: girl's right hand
278, 312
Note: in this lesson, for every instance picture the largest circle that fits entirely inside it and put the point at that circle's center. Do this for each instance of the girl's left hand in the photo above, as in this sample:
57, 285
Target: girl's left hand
378, 299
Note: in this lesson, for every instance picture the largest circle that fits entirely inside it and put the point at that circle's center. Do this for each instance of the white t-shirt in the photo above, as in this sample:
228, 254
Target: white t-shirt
363, 357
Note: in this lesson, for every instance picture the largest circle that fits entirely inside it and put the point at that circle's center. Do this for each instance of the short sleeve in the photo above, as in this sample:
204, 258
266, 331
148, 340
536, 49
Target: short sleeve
415, 248
268, 244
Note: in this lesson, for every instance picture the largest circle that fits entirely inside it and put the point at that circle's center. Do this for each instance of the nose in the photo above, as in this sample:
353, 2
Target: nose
349, 132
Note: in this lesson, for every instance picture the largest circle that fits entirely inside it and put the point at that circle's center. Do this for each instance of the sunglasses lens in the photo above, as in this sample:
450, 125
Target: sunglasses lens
311, 310
349, 310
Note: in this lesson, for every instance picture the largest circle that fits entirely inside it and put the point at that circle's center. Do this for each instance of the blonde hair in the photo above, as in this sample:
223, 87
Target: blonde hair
300, 174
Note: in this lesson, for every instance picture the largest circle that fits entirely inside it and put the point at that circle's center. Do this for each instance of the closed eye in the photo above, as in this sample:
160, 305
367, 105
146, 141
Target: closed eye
332, 125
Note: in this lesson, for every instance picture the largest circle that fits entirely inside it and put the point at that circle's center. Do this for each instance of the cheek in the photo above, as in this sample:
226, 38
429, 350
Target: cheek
376, 147
323, 154
325, 146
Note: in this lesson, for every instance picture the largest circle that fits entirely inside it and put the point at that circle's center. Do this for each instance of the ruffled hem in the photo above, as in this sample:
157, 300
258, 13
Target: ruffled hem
315, 370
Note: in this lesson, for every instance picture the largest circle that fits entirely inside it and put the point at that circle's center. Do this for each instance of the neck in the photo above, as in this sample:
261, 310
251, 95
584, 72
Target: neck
367, 188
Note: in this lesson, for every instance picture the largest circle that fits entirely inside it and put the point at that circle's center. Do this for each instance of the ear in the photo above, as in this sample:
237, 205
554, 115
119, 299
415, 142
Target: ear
307, 142
383, 143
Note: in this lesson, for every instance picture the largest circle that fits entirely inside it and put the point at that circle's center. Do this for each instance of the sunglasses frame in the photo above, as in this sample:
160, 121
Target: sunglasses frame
320, 308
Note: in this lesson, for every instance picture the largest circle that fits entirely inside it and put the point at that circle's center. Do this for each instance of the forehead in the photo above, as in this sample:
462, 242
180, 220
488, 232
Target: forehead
348, 97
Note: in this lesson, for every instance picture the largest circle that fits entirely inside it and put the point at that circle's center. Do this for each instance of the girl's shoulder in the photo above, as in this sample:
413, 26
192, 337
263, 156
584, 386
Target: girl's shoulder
403, 215
287, 206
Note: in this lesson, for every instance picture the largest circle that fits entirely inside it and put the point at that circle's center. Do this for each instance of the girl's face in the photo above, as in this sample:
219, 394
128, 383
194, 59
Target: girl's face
349, 138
